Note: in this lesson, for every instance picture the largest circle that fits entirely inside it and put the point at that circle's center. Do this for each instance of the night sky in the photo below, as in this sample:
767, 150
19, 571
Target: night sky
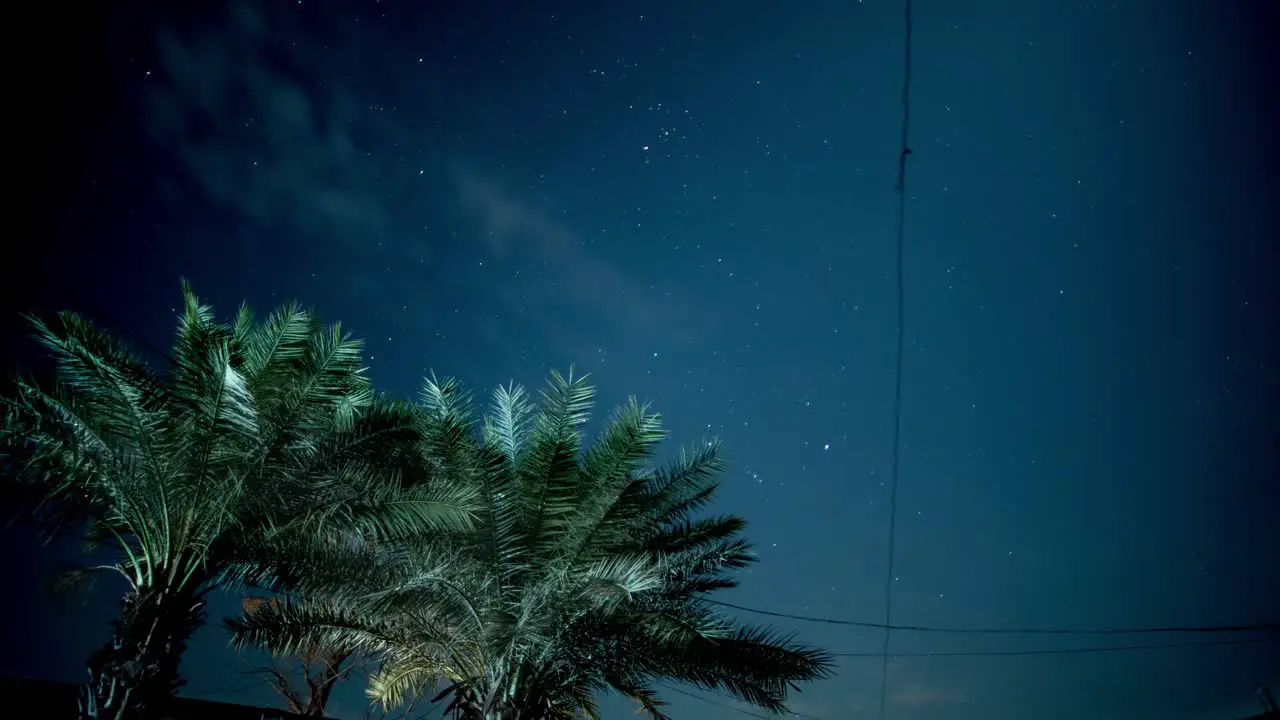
695, 202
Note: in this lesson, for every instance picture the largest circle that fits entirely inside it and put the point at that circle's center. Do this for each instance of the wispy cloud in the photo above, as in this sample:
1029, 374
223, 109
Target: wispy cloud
918, 694
568, 285
256, 139
275, 135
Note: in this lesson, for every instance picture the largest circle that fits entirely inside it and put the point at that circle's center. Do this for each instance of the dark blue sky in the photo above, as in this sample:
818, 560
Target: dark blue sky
695, 202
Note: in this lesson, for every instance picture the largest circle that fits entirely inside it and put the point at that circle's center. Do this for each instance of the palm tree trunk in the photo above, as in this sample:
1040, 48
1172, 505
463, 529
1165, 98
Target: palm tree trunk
320, 685
321, 671
135, 674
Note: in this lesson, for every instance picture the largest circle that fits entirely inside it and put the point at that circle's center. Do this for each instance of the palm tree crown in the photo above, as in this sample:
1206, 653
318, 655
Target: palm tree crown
587, 571
196, 478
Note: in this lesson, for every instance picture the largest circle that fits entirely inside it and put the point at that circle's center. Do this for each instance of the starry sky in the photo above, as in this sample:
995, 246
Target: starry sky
695, 202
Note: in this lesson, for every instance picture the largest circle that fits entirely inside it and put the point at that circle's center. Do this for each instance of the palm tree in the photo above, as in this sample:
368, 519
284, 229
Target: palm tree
204, 476
588, 572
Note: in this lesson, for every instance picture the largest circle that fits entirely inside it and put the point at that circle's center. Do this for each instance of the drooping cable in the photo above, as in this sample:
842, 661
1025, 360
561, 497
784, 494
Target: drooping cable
903, 152
1136, 630
1071, 651
1063, 651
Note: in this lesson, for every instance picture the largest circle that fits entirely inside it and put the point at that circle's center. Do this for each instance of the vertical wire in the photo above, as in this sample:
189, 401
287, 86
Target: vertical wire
897, 390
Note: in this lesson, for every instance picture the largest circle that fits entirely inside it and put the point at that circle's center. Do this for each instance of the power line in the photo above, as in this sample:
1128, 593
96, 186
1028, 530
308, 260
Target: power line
1248, 627
1065, 651
897, 384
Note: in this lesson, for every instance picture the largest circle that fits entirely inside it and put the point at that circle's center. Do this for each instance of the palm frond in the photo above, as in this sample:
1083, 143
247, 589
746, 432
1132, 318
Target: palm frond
645, 696
756, 665
687, 484
288, 627
630, 438
105, 397
256, 436
611, 582
271, 349
554, 573
403, 677
551, 479
507, 426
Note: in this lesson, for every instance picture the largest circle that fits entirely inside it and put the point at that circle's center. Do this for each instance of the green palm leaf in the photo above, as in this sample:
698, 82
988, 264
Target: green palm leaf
257, 439
583, 571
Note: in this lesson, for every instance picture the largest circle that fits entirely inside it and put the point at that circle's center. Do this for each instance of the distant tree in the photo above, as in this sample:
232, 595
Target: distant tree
307, 679
203, 476
588, 572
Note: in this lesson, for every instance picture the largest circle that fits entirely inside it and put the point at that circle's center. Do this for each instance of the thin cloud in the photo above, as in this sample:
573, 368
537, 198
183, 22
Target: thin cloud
916, 694
256, 139
566, 279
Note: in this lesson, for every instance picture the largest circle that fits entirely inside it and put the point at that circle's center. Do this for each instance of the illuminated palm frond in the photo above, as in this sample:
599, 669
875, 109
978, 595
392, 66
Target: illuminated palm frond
585, 572
256, 435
